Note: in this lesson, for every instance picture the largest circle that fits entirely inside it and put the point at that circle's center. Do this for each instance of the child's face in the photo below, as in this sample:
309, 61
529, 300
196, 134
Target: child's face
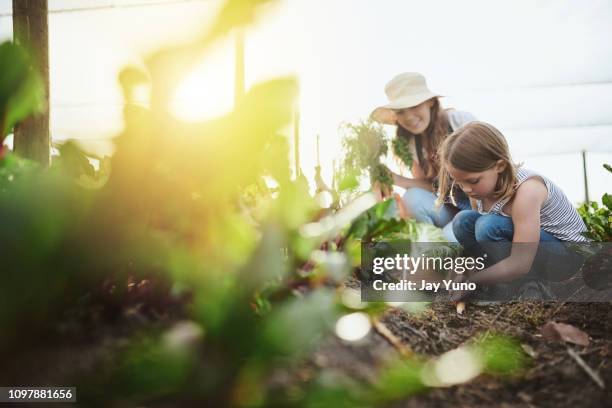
478, 185
415, 119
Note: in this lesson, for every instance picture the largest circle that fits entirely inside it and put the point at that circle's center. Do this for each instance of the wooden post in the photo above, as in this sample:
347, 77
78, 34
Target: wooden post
239, 67
30, 29
584, 173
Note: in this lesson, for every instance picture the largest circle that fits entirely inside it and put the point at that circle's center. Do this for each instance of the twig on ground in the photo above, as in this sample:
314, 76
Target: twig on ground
550, 316
491, 324
594, 376
384, 331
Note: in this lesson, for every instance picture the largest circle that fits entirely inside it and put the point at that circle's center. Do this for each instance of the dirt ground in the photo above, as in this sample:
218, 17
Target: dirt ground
552, 378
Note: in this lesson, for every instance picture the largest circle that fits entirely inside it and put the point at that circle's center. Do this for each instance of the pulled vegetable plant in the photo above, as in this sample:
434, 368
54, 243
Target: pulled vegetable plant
365, 144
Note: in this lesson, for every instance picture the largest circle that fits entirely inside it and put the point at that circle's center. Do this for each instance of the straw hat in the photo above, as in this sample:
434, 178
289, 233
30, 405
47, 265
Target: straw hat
403, 91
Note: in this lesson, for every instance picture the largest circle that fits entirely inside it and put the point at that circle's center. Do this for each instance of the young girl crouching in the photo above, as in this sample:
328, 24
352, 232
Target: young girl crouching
520, 219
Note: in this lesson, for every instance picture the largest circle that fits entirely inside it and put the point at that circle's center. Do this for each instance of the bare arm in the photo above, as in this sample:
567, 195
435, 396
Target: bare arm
418, 180
526, 219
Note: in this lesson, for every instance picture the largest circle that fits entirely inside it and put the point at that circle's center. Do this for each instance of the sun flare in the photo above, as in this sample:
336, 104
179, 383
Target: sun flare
208, 91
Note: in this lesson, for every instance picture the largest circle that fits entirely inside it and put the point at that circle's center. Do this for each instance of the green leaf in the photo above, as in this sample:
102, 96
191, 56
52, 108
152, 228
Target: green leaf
380, 210
151, 368
348, 182
501, 355
607, 200
297, 325
21, 88
399, 380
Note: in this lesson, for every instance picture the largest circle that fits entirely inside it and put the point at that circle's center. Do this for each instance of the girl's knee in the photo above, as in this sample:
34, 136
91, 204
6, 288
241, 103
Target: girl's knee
464, 224
493, 227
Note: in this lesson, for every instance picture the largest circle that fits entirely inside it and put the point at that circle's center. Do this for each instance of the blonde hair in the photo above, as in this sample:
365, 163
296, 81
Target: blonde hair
427, 143
476, 147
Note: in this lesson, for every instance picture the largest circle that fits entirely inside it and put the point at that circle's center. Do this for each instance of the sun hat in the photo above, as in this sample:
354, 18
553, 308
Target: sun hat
403, 91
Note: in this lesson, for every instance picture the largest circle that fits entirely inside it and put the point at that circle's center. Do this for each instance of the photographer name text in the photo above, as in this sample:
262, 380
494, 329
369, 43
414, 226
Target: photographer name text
423, 285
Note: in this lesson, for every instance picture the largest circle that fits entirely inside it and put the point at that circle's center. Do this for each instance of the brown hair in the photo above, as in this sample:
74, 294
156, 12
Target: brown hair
427, 143
476, 147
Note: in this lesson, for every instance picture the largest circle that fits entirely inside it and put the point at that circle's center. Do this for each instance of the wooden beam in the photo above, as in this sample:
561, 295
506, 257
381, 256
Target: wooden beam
31, 30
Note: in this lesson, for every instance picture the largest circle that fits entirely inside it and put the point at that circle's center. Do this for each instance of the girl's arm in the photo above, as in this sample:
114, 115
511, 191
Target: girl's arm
418, 179
525, 213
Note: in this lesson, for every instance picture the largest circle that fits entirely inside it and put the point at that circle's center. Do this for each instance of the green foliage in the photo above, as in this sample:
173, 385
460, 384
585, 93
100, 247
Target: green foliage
501, 355
598, 218
73, 161
381, 174
145, 359
21, 89
14, 169
378, 223
398, 380
364, 144
401, 148
193, 215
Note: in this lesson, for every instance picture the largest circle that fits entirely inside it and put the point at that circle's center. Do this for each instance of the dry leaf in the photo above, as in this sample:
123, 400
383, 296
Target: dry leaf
553, 331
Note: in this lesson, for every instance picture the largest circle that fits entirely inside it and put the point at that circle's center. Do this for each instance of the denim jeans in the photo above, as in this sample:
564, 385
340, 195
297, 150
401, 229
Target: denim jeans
492, 234
422, 205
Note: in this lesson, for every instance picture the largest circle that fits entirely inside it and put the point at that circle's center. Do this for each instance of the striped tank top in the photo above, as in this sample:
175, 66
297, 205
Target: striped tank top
558, 216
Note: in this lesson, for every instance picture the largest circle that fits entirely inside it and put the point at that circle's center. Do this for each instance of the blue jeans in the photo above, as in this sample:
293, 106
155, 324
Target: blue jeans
492, 234
422, 204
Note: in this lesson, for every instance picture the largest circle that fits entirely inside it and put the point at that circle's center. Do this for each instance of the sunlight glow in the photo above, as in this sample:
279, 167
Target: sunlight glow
353, 327
458, 366
208, 91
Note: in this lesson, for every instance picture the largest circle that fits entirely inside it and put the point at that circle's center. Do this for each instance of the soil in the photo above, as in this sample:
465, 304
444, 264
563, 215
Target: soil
552, 378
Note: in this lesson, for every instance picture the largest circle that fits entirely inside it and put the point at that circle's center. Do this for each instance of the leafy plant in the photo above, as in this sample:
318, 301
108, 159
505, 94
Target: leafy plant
185, 220
364, 143
21, 91
379, 224
401, 149
189, 221
598, 218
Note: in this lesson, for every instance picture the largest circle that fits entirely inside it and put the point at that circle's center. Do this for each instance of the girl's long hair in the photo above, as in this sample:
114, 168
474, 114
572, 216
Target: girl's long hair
476, 147
427, 143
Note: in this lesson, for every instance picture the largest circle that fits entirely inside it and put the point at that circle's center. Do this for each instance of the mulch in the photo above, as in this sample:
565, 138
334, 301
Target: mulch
552, 378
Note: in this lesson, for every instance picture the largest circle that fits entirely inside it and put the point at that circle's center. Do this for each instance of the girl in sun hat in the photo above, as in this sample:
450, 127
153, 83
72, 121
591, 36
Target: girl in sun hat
422, 122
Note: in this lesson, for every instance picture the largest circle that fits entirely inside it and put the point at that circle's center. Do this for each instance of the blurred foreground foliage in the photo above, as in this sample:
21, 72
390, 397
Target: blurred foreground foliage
21, 88
187, 207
